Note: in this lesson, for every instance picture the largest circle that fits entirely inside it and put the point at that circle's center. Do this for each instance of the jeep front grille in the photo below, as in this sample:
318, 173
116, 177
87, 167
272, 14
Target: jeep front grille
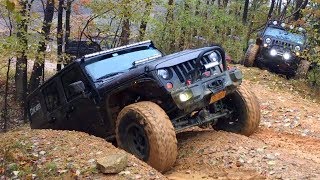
282, 44
182, 70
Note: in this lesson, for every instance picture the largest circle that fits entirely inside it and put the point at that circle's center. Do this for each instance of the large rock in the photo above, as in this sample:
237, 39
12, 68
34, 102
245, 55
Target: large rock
113, 163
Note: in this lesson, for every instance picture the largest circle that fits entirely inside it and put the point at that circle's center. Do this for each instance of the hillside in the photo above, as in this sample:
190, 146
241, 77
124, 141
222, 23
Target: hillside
285, 146
48, 154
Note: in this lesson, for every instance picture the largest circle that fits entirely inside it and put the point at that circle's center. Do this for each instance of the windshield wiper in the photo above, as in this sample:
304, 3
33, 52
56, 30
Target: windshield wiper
108, 75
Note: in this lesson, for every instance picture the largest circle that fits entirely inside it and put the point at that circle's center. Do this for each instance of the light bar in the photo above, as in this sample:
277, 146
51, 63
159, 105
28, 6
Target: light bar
211, 65
115, 49
146, 59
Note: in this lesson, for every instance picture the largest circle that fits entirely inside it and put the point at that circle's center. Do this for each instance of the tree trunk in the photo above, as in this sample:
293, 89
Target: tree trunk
144, 21
38, 66
300, 4
5, 106
284, 11
125, 32
196, 13
60, 35
169, 23
182, 41
225, 3
68, 28
279, 7
271, 9
245, 12
21, 64
297, 9
219, 3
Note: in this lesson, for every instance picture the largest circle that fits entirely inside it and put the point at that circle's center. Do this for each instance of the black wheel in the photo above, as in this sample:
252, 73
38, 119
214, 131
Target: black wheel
245, 112
145, 130
303, 68
250, 55
137, 140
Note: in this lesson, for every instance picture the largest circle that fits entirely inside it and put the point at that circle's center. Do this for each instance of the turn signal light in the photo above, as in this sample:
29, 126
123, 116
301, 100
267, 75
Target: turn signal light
206, 74
169, 85
188, 82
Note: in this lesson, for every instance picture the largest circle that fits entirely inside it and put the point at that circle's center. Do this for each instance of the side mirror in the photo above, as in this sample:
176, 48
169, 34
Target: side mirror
77, 87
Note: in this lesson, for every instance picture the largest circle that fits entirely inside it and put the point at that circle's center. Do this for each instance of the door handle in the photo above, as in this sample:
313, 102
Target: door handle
70, 109
52, 120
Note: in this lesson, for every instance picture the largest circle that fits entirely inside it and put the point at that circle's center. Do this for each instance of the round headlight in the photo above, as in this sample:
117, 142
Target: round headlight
213, 57
268, 40
275, 22
283, 25
164, 73
273, 52
297, 48
286, 56
185, 96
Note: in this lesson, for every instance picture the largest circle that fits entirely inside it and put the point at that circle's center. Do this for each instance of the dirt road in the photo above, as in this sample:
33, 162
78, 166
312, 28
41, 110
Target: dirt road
286, 146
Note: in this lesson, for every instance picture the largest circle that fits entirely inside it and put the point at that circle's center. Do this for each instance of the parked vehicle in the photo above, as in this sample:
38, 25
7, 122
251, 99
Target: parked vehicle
141, 98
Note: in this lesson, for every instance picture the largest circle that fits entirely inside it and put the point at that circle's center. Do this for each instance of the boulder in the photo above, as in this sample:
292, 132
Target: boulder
112, 163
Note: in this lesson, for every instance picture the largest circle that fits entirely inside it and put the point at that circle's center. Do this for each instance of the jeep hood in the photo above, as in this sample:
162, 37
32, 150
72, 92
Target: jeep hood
284, 35
175, 58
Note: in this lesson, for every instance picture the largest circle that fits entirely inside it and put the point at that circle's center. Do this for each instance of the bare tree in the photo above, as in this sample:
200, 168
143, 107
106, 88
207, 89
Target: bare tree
300, 4
21, 64
182, 38
245, 12
144, 20
271, 9
125, 33
38, 66
6, 91
67, 27
60, 34
169, 21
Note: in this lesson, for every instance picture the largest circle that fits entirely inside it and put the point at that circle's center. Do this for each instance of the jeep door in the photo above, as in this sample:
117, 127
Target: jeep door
81, 112
53, 101
36, 111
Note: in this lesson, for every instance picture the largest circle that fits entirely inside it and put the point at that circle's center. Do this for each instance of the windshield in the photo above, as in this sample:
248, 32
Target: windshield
285, 35
118, 62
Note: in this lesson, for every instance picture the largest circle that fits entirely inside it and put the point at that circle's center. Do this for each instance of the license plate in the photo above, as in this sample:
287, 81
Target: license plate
217, 96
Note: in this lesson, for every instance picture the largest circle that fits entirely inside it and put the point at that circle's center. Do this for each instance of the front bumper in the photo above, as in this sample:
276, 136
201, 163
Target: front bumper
203, 89
277, 63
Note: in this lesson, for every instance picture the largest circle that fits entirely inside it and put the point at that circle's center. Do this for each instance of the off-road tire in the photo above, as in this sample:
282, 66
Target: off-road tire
159, 131
250, 55
246, 116
302, 70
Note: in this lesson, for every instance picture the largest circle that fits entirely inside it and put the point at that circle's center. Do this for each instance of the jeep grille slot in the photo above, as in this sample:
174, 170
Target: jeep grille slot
282, 43
182, 70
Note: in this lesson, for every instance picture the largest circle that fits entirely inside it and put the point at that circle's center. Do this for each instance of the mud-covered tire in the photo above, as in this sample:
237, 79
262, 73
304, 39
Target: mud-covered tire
302, 70
245, 117
157, 129
250, 55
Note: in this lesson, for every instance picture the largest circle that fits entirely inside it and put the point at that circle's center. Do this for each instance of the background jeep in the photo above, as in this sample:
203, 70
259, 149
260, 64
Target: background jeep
141, 98
278, 50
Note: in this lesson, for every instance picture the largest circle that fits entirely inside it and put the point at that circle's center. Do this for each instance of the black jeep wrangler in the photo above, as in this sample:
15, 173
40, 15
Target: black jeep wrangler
141, 98
278, 50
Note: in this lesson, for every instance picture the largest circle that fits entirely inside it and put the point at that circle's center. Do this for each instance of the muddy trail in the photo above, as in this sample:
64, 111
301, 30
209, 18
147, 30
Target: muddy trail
286, 145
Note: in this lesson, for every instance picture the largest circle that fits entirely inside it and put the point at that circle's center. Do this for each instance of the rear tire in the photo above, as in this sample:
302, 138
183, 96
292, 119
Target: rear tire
251, 55
144, 129
303, 69
245, 117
